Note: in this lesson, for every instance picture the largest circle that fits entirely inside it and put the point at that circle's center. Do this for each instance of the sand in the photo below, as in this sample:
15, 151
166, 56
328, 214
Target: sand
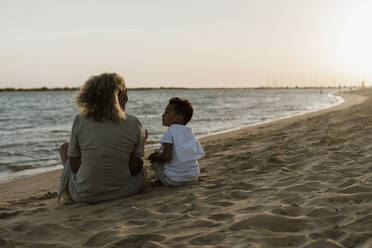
299, 182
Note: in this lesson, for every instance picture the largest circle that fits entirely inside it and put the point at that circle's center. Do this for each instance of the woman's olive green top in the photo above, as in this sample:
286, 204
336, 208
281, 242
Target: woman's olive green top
105, 148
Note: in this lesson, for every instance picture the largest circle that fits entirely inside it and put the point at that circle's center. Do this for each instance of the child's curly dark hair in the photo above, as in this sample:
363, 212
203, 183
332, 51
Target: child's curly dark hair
183, 107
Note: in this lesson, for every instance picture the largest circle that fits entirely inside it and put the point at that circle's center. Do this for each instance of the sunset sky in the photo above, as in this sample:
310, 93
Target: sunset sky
193, 43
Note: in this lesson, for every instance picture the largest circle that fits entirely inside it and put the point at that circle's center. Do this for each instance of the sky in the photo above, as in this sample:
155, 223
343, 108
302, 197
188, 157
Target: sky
193, 43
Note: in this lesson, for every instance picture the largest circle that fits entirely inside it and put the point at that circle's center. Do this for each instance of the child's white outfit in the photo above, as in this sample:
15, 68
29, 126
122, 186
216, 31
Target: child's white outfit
186, 150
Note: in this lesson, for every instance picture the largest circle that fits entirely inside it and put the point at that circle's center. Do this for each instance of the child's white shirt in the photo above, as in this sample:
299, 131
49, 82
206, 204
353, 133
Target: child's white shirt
186, 150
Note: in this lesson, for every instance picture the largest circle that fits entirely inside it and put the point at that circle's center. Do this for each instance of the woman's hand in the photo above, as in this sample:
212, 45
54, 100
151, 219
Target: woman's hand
135, 165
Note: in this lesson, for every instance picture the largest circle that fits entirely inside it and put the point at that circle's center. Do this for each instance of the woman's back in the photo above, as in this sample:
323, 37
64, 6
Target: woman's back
105, 148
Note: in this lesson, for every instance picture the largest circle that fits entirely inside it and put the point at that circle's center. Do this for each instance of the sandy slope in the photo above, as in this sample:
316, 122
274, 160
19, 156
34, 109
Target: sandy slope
299, 182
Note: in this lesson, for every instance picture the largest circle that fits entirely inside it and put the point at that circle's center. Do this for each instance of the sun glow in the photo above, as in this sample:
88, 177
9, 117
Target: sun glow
355, 43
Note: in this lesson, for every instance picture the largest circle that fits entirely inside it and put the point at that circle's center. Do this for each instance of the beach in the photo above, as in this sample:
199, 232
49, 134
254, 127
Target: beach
304, 181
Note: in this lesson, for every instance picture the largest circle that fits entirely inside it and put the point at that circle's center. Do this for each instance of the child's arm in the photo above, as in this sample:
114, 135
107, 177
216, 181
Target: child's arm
164, 156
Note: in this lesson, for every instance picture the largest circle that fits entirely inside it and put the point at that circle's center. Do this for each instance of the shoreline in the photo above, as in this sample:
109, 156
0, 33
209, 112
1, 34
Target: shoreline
341, 101
349, 99
38, 171
304, 181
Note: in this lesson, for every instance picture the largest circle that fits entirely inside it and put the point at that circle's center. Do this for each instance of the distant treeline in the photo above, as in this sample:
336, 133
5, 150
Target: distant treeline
178, 88
39, 89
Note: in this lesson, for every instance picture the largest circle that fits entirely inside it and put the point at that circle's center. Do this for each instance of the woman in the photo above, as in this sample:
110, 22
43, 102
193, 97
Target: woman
103, 160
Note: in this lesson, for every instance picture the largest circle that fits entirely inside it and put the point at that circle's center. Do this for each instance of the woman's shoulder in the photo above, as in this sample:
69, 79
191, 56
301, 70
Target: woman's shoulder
80, 118
131, 118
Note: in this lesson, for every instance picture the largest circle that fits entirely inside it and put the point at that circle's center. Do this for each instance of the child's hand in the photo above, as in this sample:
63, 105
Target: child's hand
146, 134
153, 156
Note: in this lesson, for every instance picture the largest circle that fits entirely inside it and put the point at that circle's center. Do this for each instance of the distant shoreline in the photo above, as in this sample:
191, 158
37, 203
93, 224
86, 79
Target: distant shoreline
170, 88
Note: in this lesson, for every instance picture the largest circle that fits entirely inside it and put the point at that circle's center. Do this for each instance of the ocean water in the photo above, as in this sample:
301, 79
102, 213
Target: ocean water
34, 124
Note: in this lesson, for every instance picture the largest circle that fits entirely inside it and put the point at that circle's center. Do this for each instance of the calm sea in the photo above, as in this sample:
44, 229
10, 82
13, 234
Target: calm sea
34, 124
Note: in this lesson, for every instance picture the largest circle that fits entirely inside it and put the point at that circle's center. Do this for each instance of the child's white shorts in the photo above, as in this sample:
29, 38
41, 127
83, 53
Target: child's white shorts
160, 172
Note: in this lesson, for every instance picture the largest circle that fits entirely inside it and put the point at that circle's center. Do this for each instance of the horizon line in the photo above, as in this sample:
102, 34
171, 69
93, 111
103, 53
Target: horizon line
184, 88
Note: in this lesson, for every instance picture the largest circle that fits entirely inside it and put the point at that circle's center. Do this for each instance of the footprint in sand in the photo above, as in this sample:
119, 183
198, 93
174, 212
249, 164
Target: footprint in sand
23, 226
240, 194
101, 238
284, 241
219, 217
8, 214
272, 223
137, 240
292, 211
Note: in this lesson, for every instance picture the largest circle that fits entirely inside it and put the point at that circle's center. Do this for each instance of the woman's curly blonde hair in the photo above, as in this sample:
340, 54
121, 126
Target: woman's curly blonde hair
98, 97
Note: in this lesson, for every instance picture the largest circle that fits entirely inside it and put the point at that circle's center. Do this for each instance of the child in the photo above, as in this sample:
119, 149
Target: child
176, 163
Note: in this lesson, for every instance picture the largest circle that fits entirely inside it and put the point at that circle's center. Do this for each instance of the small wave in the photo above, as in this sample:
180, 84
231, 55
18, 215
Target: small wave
6, 119
10, 153
59, 131
16, 168
7, 176
28, 144
29, 165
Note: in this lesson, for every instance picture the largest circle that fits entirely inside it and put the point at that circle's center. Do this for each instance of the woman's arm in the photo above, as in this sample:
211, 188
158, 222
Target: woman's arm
75, 164
135, 164
74, 147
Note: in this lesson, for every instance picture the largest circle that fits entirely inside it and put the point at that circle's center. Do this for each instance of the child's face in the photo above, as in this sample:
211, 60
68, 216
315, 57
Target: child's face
170, 116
